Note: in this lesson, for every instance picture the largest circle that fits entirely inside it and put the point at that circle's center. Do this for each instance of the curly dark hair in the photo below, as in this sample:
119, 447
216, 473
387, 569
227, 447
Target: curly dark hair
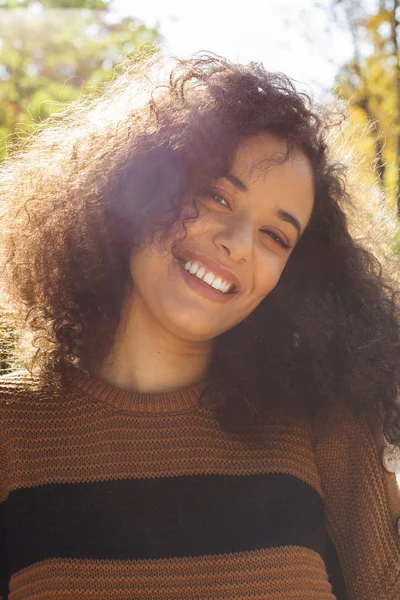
103, 177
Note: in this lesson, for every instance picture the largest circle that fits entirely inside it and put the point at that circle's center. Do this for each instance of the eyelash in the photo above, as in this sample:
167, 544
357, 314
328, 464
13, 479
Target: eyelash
272, 234
277, 238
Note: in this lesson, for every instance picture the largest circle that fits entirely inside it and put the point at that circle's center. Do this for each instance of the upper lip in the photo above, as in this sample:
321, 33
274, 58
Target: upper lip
215, 267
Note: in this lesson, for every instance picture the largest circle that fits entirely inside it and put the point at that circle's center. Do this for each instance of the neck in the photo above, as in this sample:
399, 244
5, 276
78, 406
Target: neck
148, 358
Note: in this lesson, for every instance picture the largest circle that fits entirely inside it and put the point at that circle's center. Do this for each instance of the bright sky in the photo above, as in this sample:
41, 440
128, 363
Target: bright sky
292, 36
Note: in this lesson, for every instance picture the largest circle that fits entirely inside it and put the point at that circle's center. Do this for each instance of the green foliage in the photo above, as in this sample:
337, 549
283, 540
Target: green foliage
90, 4
51, 52
370, 82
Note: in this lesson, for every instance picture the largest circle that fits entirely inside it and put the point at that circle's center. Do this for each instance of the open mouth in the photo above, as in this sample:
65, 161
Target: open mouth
203, 289
208, 278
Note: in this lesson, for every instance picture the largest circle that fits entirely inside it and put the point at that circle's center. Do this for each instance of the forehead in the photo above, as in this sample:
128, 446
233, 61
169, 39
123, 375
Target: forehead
264, 154
275, 180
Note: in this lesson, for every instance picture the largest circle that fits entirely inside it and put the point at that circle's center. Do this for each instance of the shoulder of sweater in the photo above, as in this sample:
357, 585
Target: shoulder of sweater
343, 423
15, 386
347, 435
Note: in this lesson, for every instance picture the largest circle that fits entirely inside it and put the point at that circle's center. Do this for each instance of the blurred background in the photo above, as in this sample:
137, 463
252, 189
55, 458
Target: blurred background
51, 51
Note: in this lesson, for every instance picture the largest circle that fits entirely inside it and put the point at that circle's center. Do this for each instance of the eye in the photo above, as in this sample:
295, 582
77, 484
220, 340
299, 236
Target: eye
277, 238
221, 200
218, 198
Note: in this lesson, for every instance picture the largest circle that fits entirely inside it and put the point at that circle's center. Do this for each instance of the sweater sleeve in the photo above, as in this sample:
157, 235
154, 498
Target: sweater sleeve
362, 504
3, 560
3, 542
7, 393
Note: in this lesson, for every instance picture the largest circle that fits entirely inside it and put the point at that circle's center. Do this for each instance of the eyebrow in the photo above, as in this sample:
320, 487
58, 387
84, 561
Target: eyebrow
289, 218
236, 182
282, 214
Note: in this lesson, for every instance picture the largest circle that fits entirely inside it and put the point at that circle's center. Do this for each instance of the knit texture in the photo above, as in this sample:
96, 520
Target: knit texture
116, 494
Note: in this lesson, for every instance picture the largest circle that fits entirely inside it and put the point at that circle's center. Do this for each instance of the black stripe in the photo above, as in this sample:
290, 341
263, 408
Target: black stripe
334, 570
162, 518
4, 575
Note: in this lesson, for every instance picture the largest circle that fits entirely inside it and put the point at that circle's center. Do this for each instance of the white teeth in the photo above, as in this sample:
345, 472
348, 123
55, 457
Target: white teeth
225, 287
217, 283
193, 268
209, 278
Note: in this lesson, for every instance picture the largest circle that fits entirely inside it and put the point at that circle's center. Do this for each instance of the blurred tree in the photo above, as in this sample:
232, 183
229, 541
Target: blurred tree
370, 81
52, 51
90, 4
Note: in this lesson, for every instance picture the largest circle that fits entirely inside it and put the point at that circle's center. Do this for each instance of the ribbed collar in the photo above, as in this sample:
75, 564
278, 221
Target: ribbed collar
139, 402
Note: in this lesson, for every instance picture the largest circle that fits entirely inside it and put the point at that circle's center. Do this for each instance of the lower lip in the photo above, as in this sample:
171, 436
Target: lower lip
203, 289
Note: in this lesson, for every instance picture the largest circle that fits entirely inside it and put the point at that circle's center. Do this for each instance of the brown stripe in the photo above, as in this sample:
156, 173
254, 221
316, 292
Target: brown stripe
358, 510
82, 440
391, 481
276, 574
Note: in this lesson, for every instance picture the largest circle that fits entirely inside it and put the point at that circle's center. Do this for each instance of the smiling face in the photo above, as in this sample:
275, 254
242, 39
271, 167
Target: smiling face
248, 225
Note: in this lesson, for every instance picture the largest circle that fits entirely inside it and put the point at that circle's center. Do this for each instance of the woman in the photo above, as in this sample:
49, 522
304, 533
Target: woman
216, 359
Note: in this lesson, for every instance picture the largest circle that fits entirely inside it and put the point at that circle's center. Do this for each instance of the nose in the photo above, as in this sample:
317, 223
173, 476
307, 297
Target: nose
236, 240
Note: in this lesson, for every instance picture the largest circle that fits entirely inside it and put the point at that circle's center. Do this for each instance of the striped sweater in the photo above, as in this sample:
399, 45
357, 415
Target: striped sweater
114, 494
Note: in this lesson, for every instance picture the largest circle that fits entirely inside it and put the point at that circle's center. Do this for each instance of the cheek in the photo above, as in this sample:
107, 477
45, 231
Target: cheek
268, 273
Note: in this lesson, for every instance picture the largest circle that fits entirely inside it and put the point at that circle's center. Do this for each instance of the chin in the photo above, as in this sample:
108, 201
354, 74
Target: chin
195, 329
196, 333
